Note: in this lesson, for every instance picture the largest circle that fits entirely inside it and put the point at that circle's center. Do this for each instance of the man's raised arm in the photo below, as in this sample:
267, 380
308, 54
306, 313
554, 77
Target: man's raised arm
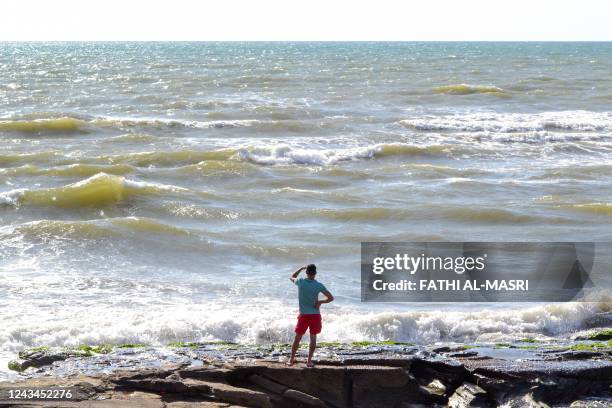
296, 273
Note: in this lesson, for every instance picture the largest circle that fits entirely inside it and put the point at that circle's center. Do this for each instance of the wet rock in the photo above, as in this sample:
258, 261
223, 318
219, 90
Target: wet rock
451, 373
434, 388
327, 383
19, 365
132, 399
469, 395
237, 395
304, 399
382, 387
201, 404
550, 382
114, 403
579, 355
160, 372
164, 385
82, 388
268, 385
524, 401
449, 349
385, 378
210, 373
463, 354
384, 362
41, 357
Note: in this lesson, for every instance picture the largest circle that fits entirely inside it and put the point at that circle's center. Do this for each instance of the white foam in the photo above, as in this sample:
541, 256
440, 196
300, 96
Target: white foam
584, 121
128, 121
160, 324
157, 186
285, 154
12, 197
70, 320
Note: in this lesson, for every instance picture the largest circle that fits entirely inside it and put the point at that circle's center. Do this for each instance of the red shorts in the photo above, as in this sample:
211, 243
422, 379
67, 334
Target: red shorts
311, 322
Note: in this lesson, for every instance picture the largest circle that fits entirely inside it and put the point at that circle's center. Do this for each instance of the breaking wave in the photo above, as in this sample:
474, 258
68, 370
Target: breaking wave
285, 154
99, 190
176, 123
50, 125
583, 121
489, 325
228, 159
162, 324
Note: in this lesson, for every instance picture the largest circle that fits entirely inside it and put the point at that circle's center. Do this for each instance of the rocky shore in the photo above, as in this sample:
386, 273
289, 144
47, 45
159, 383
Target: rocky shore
359, 375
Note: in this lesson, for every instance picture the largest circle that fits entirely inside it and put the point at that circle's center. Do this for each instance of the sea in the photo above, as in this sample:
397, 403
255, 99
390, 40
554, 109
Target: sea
161, 192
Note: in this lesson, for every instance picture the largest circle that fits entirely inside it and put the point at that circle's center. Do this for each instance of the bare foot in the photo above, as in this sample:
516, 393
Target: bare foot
290, 363
310, 364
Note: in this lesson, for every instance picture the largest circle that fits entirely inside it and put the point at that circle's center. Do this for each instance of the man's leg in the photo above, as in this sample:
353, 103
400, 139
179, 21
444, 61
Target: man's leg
311, 349
294, 348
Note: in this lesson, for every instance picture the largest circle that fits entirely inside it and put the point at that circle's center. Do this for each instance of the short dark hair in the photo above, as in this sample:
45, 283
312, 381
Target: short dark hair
311, 269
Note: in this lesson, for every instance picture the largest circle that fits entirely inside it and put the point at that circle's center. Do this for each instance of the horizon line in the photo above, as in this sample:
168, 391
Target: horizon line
309, 41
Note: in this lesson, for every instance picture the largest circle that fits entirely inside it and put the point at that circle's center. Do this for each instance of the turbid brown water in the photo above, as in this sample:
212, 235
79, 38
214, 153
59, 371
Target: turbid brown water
159, 192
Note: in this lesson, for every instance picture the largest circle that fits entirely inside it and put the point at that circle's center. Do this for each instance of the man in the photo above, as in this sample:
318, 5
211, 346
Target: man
309, 317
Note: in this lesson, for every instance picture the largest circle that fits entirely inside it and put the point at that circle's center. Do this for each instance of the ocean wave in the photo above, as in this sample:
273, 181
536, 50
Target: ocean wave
92, 229
78, 170
537, 137
170, 123
69, 123
428, 327
458, 213
217, 168
229, 161
130, 138
148, 225
50, 125
171, 158
352, 214
284, 154
592, 208
28, 158
99, 190
280, 123
160, 324
180, 209
341, 214
344, 214
426, 170
583, 121
576, 172
488, 215
465, 89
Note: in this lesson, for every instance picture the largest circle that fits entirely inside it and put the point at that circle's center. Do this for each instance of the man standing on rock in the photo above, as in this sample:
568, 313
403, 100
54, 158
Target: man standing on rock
309, 317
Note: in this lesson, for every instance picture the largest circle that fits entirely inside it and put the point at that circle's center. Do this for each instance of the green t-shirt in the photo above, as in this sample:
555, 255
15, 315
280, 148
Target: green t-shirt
308, 294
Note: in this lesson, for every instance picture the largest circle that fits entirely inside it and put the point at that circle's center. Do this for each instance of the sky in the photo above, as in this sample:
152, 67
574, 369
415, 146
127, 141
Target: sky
309, 20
